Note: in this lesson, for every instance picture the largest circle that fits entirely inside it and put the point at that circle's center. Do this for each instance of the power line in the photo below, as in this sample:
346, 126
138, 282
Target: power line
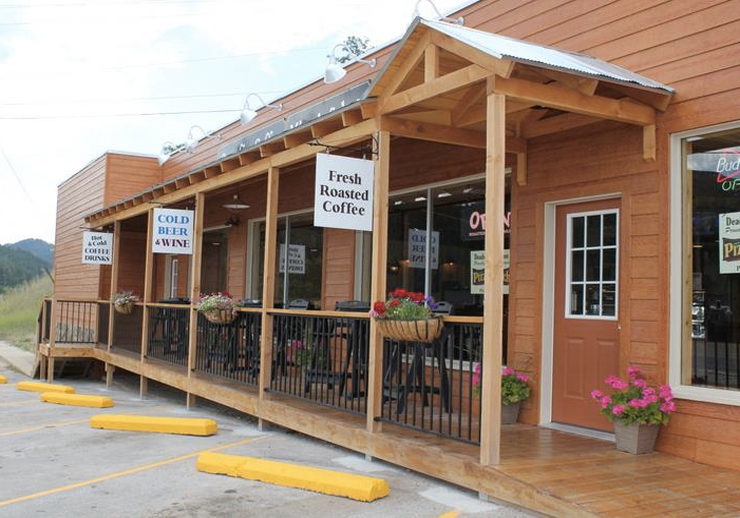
123, 99
104, 115
18, 178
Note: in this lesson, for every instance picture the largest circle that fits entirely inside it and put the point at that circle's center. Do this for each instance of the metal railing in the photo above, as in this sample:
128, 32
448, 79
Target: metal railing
321, 358
76, 322
168, 333
127, 329
716, 363
230, 351
429, 387
104, 314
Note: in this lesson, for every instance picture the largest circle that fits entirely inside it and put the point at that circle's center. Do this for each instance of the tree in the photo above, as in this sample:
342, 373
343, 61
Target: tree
353, 46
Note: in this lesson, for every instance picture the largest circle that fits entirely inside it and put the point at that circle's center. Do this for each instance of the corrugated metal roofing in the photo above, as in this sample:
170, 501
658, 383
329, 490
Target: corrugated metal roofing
503, 47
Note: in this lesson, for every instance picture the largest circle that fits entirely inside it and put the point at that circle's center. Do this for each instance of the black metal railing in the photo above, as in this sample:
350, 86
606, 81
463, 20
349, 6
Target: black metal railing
321, 358
127, 329
231, 351
103, 322
76, 322
716, 363
168, 333
429, 386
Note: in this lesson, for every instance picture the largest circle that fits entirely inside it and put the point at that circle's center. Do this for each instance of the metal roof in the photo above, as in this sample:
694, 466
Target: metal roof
503, 47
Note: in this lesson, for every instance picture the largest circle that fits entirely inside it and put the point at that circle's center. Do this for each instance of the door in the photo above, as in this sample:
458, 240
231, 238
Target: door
586, 309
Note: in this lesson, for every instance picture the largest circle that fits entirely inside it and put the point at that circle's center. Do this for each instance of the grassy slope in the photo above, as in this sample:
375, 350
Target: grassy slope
19, 310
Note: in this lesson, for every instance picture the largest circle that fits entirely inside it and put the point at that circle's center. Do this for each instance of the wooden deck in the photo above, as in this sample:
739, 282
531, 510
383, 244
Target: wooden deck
549, 471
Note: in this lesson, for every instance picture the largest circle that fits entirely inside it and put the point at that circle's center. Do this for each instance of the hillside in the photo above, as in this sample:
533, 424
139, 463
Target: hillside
18, 266
37, 247
19, 309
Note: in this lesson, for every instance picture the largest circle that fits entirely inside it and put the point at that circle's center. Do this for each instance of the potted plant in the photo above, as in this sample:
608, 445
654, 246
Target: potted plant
407, 315
124, 301
636, 409
218, 308
514, 389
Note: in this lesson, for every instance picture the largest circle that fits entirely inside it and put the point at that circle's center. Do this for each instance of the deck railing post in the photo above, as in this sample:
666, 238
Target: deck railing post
109, 369
52, 340
379, 262
494, 278
147, 297
195, 271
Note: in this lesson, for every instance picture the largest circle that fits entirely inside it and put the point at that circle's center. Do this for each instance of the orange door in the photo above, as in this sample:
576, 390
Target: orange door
586, 310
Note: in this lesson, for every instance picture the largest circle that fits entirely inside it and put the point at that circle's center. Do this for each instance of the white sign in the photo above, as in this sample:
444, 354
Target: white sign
417, 251
478, 271
296, 259
173, 231
343, 196
729, 242
97, 248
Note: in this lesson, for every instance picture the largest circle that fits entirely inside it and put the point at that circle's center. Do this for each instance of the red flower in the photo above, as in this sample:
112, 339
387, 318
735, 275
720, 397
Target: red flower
395, 303
379, 308
416, 296
399, 293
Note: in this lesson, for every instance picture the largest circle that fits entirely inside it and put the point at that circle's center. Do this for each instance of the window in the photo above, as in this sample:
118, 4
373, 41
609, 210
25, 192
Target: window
706, 325
592, 265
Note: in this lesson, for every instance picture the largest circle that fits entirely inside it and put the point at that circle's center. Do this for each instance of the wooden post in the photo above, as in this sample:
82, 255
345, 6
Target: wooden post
52, 340
147, 297
494, 278
113, 289
379, 268
195, 270
268, 280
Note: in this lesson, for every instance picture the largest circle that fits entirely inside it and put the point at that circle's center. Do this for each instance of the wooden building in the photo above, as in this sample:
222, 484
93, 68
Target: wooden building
600, 139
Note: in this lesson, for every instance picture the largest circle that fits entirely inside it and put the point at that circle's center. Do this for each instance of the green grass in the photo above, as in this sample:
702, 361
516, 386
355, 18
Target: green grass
19, 310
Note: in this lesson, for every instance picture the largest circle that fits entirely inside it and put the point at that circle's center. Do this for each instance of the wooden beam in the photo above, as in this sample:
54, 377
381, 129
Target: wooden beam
493, 299
323, 128
114, 280
147, 295
500, 67
268, 279
351, 117
431, 63
562, 98
469, 99
658, 99
296, 139
521, 169
584, 85
229, 165
249, 158
648, 143
272, 148
195, 278
378, 285
410, 62
554, 124
447, 83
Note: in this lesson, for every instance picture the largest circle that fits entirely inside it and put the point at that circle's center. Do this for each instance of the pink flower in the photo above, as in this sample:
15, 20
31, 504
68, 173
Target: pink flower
597, 394
508, 371
618, 409
522, 377
636, 403
616, 383
640, 383
668, 407
633, 372
605, 401
665, 392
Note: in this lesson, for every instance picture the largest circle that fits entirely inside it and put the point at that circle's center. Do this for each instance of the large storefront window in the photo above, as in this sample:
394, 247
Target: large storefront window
457, 221
710, 353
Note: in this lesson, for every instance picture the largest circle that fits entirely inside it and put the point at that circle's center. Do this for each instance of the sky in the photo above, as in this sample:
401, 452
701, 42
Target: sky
82, 77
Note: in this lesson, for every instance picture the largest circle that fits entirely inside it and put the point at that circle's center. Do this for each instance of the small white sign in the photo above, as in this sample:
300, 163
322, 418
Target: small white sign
478, 271
173, 231
97, 248
296, 259
343, 196
729, 242
417, 249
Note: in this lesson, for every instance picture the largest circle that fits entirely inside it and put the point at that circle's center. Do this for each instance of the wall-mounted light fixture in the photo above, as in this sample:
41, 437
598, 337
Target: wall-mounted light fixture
248, 113
458, 21
168, 148
191, 143
334, 71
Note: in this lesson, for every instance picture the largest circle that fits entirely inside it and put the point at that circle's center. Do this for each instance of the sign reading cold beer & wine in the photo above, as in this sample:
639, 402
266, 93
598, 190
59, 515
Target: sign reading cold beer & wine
729, 242
343, 196
97, 248
173, 231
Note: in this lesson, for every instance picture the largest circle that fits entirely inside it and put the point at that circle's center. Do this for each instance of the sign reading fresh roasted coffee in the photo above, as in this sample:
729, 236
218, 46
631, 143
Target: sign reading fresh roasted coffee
97, 248
172, 231
343, 196
729, 242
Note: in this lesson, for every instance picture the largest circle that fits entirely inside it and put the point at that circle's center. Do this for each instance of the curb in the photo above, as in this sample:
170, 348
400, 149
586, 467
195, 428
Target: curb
140, 423
76, 399
336, 483
37, 386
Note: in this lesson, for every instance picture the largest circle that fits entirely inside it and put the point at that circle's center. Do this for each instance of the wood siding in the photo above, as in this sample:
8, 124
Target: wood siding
338, 267
129, 175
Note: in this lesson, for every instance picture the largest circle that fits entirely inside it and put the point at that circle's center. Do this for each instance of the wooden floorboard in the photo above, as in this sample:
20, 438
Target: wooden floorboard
546, 470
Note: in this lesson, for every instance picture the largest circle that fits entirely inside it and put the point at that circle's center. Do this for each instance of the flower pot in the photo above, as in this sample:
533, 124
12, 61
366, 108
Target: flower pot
635, 438
222, 316
510, 413
424, 330
124, 309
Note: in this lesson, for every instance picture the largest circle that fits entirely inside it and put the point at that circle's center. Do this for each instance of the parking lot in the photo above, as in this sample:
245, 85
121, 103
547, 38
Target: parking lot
53, 464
